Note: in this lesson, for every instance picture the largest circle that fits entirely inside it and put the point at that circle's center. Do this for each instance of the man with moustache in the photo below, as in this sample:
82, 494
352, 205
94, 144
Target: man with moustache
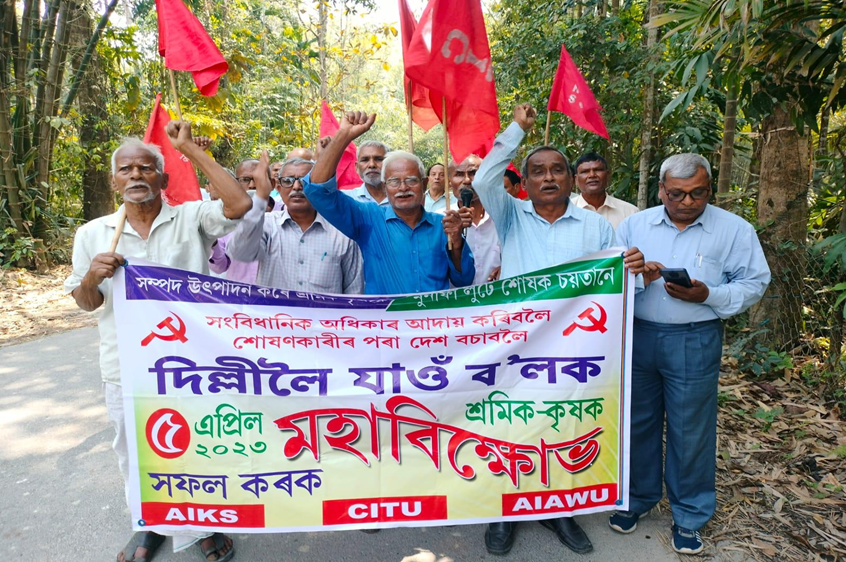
481, 234
435, 198
404, 247
592, 177
296, 249
178, 236
371, 155
538, 233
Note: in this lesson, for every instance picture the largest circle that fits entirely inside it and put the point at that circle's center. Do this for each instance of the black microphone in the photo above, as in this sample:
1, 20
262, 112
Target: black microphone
466, 196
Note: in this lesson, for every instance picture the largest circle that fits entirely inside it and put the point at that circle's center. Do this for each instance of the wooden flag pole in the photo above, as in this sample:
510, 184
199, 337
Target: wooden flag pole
546, 133
175, 94
119, 229
410, 129
446, 159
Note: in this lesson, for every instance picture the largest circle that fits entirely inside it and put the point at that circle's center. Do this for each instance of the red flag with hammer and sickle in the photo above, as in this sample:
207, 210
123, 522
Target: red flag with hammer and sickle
449, 54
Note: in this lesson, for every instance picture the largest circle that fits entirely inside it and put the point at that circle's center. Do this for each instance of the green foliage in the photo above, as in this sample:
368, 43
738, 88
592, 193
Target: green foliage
14, 248
768, 416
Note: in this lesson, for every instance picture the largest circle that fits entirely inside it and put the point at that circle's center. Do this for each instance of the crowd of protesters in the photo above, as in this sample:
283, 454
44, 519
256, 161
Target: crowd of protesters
286, 224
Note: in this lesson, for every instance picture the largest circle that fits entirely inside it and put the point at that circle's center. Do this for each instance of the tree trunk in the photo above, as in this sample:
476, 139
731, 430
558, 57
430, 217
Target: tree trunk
648, 116
615, 6
783, 212
97, 196
322, 23
727, 150
602, 8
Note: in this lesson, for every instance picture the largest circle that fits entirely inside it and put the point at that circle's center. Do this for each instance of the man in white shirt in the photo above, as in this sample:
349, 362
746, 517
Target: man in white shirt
179, 236
592, 177
481, 235
371, 154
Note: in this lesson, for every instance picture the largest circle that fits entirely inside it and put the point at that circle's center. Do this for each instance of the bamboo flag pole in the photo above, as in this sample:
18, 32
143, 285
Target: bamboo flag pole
119, 229
546, 133
446, 158
175, 94
410, 129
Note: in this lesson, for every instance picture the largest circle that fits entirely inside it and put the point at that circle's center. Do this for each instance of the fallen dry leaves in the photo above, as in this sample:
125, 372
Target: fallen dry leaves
781, 472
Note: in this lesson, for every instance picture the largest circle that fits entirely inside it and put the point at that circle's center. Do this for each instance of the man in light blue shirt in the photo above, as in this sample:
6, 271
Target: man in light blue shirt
678, 338
544, 231
404, 248
435, 194
371, 155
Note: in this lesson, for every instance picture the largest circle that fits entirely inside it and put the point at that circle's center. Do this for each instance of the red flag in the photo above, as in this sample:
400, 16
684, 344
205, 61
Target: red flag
346, 173
450, 55
571, 96
185, 45
182, 184
421, 106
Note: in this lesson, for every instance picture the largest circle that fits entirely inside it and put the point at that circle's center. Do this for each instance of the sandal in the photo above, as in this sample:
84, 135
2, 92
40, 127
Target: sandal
143, 539
218, 544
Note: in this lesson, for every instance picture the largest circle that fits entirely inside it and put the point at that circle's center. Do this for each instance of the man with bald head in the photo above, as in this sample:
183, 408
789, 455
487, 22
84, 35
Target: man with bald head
405, 248
304, 153
177, 236
544, 231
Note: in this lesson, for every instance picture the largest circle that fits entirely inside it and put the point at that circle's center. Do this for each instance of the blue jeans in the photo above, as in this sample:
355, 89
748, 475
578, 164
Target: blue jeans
675, 368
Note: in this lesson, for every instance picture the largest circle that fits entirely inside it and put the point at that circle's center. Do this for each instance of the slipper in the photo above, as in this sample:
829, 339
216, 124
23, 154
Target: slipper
146, 539
218, 544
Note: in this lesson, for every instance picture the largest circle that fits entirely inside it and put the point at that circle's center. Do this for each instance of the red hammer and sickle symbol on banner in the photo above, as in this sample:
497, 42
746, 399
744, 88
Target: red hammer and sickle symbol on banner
176, 333
594, 324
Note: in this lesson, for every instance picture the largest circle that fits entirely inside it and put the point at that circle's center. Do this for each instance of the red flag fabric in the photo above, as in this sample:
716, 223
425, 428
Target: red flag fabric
449, 54
182, 184
185, 45
346, 173
571, 96
421, 106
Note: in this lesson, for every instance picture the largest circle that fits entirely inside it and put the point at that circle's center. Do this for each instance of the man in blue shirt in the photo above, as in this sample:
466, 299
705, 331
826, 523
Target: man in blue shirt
678, 337
404, 248
535, 234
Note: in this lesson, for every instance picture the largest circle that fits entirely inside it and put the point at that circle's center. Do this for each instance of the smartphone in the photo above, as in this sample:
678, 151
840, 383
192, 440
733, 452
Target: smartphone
678, 276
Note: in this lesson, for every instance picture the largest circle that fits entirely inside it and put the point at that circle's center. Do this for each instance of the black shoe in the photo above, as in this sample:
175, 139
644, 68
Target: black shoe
499, 538
569, 533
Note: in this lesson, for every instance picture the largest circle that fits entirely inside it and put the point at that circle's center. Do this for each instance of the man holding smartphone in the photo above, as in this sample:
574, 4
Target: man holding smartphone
706, 265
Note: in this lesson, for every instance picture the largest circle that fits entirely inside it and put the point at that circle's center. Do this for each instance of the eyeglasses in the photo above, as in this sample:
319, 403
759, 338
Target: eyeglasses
697, 194
289, 181
246, 180
410, 181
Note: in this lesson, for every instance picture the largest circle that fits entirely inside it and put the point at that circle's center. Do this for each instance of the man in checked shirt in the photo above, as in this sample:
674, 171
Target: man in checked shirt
297, 249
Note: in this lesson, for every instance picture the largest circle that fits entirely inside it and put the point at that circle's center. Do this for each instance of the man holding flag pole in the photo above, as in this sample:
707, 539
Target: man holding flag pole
178, 232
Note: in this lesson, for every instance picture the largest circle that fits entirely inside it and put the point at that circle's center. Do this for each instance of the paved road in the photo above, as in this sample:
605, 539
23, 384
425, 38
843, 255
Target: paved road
62, 495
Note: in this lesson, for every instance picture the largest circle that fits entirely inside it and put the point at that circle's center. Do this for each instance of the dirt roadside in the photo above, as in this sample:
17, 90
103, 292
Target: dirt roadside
35, 305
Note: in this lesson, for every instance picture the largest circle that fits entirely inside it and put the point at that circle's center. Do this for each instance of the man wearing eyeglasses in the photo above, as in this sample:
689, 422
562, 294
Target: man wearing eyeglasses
405, 248
296, 249
678, 334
